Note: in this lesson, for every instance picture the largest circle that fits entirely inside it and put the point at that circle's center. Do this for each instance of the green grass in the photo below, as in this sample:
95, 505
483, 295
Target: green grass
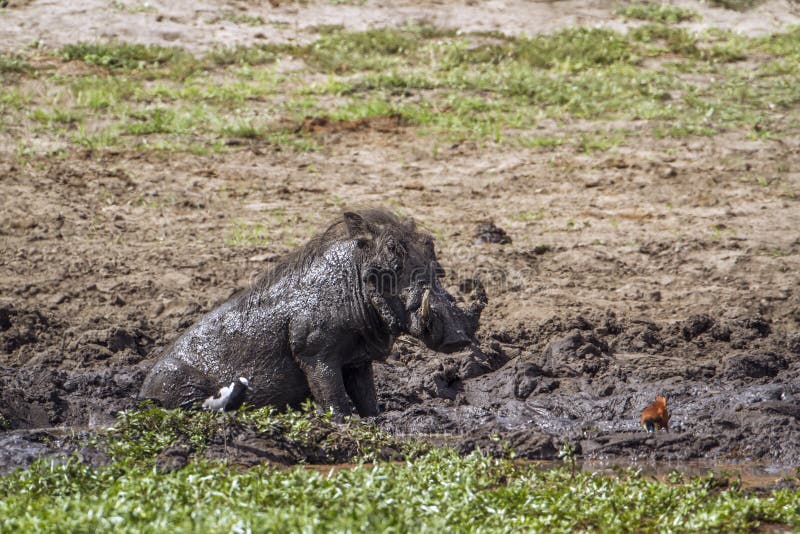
119, 56
370, 50
736, 5
239, 18
274, 226
243, 234
132, 7
487, 87
139, 435
432, 490
662, 13
13, 64
262, 54
55, 116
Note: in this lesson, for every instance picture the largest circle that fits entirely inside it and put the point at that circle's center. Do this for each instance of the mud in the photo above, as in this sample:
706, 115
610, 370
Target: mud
732, 387
663, 268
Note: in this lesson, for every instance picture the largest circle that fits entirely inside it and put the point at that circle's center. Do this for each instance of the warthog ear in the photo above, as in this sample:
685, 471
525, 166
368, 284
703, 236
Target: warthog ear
356, 226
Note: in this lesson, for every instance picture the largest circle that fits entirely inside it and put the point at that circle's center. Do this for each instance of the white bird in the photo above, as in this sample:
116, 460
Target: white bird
229, 397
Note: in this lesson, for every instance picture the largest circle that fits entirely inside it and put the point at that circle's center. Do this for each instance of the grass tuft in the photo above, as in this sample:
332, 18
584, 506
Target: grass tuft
124, 56
13, 64
660, 13
736, 5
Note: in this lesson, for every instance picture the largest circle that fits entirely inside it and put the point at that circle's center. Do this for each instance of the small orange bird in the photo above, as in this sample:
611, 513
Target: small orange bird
656, 416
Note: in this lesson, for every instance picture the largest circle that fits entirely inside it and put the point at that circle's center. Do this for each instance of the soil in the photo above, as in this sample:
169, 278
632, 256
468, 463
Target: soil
203, 24
662, 268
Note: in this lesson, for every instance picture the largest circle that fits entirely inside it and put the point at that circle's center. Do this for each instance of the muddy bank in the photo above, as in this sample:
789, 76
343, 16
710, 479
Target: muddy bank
732, 385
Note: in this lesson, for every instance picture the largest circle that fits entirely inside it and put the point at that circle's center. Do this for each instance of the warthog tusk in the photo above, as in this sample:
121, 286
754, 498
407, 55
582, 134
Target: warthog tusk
426, 303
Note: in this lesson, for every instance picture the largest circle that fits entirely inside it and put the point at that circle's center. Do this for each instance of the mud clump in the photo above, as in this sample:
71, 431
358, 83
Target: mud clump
325, 125
488, 232
20, 327
40, 396
578, 353
756, 365
530, 445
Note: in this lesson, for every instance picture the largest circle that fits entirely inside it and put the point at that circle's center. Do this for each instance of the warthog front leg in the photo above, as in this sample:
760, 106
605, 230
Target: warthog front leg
326, 383
360, 385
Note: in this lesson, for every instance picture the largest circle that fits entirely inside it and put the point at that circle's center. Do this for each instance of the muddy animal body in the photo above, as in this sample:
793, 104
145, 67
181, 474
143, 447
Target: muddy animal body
656, 416
313, 325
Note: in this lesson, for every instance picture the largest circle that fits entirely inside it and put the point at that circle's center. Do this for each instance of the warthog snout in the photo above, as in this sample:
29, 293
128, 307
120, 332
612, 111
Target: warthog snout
454, 340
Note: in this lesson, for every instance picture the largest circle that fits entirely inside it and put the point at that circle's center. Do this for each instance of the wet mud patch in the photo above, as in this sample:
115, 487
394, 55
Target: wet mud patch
325, 125
731, 386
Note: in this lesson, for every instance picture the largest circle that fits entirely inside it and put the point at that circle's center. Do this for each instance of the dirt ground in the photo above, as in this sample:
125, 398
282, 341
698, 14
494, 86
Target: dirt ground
200, 25
662, 267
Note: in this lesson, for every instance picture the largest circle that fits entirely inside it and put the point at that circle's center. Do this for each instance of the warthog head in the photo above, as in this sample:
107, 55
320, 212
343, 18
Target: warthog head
401, 277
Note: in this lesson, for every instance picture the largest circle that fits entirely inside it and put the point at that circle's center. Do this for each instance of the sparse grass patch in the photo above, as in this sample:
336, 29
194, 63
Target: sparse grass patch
666, 39
132, 7
261, 54
56, 116
238, 18
785, 44
478, 86
15, 98
152, 121
102, 92
96, 141
600, 142
369, 50
343, 52
573, 49
544, 141
117, 56
248, 234
13, 64
529, 215
736, 5
656, 12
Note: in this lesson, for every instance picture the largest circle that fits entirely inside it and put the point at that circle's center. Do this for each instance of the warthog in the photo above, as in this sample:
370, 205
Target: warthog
315, 322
